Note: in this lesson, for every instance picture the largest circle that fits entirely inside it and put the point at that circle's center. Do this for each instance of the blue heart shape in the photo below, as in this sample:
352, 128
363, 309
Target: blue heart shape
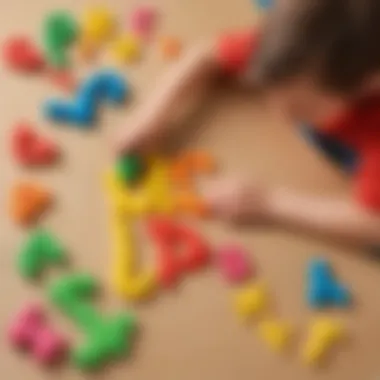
106, 86
323, 289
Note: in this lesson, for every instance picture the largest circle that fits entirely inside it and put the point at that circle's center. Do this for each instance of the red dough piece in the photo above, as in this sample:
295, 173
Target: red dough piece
62, 79
180, 249
21, 54
235, 51
31, 149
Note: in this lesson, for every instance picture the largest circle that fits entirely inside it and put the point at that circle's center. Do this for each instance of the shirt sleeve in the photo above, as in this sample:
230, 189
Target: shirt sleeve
235, 51
368, 181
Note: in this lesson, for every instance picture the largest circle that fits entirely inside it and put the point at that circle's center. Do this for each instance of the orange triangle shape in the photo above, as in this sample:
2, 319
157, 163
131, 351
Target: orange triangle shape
28, 201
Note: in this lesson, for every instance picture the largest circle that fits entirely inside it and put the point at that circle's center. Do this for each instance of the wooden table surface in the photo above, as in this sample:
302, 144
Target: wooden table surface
192, 333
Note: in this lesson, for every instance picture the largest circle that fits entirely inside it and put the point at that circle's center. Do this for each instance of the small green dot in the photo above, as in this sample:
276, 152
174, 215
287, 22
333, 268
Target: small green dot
130, 168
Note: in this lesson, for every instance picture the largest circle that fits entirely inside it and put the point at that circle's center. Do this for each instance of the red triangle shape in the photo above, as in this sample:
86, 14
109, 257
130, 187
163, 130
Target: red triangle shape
180, 249
30, 149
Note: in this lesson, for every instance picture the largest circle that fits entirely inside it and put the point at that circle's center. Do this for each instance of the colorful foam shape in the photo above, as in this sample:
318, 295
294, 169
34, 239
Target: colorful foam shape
127, 280
143, 19
251, 301
171, 47
39, 251
189, 164
264, 4
130, 168
62, 79
323, 289
106, 338
102, 87
323, 335
275, 333
31, 149
29, 330
234, 264
59, 32
28, 201
187, 202
127, 49
21, 54
180, 249
98, 25
150, 195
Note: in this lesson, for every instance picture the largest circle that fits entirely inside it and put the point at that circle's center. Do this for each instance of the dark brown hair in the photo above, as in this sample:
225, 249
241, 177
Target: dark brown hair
337, 42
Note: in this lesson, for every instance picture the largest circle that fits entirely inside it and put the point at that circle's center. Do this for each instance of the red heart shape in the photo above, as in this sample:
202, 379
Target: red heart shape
21, 54
30, 149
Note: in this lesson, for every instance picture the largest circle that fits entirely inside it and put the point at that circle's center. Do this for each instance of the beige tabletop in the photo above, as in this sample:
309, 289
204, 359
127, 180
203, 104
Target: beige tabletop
192, 333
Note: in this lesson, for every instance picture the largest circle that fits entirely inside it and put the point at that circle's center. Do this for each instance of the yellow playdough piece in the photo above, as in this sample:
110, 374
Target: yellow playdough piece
251, 301
275, 333
98, 25
323, 334
127, 49
126, 281
152, 195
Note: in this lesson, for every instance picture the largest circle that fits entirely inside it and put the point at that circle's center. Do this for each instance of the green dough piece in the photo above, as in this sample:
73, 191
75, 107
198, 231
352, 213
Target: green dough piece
107, 338
130, 168
40, 250
59, 32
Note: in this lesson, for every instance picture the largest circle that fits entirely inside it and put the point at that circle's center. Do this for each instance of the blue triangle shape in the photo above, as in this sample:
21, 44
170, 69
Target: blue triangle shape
323, 289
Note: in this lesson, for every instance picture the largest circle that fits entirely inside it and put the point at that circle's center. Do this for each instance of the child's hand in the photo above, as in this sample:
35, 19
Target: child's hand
237, 201
136, 134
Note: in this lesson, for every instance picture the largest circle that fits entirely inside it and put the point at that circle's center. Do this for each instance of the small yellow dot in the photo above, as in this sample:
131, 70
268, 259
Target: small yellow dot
127, 49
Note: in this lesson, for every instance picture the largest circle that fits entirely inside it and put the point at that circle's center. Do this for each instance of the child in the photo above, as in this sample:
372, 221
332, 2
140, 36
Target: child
318, 62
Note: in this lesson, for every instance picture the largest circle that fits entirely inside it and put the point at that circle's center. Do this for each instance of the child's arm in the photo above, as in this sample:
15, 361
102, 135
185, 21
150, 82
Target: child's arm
229, 54
332, 217
197, 69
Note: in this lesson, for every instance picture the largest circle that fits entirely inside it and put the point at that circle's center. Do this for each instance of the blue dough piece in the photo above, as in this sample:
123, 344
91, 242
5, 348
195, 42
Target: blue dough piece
264, 4
79, 113
106, 86
103, 87
323, 289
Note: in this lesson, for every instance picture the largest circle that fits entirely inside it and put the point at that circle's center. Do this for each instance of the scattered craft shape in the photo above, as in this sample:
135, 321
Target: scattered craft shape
104, 86
22, 55
180, 249
234, 264
126, 279
171, 47
130, 168
59, 32
323, 289
324, 333
251, 301
30, 330
28, 201
275, 333
106, 338
40, 250
143, 20
98, 25
31, 149
127, 49
150, 195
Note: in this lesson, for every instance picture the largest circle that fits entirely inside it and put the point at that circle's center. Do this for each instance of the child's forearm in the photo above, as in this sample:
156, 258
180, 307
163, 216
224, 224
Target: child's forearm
197, 68
335, 218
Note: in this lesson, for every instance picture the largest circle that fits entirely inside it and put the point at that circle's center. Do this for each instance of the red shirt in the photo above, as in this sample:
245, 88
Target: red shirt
358, 127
